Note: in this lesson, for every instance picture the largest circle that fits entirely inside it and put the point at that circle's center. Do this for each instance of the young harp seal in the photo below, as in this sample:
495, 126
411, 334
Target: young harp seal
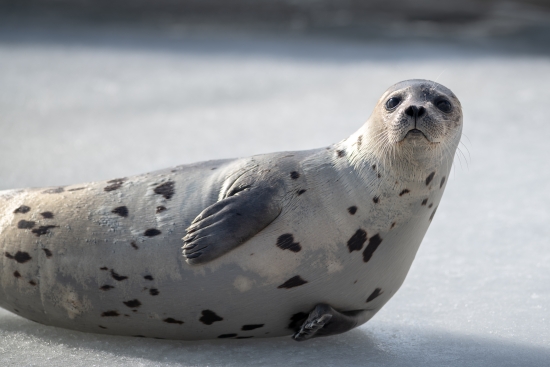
309, 243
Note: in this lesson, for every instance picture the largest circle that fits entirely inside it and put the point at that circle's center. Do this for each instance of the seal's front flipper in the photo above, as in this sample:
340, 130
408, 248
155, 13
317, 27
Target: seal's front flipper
230, 222
325, 320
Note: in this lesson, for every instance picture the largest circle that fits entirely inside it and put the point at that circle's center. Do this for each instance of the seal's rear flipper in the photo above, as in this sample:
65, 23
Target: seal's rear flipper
325, 320
230, 222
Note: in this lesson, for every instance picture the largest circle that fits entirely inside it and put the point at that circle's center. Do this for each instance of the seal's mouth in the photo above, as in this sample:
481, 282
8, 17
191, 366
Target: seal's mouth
415, 133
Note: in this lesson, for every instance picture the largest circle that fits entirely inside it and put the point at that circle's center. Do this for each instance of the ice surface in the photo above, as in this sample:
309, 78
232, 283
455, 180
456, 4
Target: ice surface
86, 104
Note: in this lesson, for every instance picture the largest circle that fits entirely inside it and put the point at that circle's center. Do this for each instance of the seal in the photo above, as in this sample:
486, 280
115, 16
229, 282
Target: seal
308, 243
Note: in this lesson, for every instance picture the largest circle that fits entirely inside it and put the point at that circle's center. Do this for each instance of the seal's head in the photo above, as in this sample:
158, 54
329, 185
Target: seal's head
416, 122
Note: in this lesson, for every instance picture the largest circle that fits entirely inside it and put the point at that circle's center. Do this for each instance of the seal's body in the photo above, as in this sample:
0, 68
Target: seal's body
312, 243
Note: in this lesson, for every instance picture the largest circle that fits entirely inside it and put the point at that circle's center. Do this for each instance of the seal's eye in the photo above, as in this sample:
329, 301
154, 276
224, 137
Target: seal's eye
392, 103
444, 105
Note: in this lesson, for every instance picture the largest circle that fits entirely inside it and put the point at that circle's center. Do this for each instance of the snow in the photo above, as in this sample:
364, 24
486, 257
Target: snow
90, 103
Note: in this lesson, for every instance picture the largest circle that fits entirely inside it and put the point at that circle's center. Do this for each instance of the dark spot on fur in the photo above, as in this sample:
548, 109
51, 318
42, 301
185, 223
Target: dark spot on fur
57, 190
356, 242
160, 209
77, 189
152, 232
223, 336
209, 317
166, 189
430, 178
32, 282
103, 327
22, 210
374, 167
433, 213
352, 210
47, 215
171, 320
47, 252
104, 268
148, 277
374, 242
121, 210
297, 320
132, 303
110, 314
300, 192
359, 141
374, 294
114, 184
405, 191
106, 287
42, 230
117, 180
442, 182
20, 257
286, 242
376, 199
244, 337
379, 175
134, 245
126, 315
154, 292
25, 224
16, 274
139, 336
424, 202
252, 327
117, 277
341, 153
295, 281
392, 225
430, 206
294, 175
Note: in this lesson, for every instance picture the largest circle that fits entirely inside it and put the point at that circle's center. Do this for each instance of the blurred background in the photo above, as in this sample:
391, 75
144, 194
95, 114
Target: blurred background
93, 90
370, 17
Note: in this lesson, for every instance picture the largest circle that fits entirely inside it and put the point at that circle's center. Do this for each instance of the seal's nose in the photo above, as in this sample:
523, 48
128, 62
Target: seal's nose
415, 111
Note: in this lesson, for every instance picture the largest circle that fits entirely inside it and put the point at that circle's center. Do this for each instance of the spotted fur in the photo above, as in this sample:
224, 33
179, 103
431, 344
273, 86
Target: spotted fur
344, 225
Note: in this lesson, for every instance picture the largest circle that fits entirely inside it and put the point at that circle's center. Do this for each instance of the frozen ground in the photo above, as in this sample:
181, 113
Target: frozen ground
82, 104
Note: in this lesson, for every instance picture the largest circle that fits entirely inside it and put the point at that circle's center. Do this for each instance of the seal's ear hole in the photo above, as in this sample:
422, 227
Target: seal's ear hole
392, 103
444, 105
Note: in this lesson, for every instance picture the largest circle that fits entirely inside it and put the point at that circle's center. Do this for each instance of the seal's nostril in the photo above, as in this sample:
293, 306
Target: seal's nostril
411, 111
415, 112
421, 111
